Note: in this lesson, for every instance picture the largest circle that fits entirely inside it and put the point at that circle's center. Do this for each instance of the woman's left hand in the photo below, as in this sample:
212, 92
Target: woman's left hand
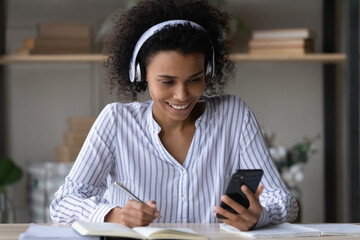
245, 218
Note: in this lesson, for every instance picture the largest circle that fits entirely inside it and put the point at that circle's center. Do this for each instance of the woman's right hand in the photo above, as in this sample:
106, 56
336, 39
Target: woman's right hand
134, 214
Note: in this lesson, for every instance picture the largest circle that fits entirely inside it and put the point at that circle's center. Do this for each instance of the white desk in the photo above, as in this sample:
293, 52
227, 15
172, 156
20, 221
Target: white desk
211, 230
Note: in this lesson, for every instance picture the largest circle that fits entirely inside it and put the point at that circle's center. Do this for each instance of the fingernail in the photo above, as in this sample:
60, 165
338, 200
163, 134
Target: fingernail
243, 187
157, 214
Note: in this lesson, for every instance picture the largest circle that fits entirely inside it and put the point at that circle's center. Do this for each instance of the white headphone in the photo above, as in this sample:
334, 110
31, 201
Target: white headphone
135, 70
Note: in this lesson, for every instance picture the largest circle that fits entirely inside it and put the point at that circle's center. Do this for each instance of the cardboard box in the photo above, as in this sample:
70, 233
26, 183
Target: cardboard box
80, 124
66, 153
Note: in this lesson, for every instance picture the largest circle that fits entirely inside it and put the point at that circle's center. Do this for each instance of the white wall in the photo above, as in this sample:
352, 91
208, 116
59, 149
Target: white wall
286, 97
41, 96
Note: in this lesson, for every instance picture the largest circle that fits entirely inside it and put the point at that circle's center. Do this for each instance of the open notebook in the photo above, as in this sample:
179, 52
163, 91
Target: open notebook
296, 230
119, 230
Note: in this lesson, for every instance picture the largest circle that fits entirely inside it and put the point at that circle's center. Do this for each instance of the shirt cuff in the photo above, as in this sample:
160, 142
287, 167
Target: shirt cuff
264, 219
100, 212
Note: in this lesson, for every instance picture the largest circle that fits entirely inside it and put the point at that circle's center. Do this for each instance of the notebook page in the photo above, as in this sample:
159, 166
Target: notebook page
104, 229
274, 231
335, 229
148, 231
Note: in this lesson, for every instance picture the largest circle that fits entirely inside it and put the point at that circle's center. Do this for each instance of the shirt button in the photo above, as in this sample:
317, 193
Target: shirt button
184, 172
183, 199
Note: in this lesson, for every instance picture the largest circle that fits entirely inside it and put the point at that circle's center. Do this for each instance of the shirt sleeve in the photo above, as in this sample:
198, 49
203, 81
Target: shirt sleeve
277, 202
80, 197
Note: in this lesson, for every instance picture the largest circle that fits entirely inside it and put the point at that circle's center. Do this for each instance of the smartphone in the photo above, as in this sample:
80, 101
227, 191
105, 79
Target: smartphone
251, 178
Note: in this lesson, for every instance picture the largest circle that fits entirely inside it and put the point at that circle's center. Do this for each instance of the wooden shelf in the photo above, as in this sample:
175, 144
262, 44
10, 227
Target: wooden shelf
48, 58
315, 57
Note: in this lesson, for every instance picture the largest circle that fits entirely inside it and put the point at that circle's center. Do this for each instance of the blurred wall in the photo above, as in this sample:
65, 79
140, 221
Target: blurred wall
286, 97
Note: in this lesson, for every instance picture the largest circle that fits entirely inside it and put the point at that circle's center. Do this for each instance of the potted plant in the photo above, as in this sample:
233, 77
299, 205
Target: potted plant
290, 162
9, 174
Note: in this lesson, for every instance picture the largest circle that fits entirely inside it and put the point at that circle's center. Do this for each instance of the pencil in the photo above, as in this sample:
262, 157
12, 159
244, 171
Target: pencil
129, 193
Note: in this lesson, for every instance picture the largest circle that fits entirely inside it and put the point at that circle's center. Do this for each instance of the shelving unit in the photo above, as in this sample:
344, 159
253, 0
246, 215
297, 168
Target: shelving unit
237, 57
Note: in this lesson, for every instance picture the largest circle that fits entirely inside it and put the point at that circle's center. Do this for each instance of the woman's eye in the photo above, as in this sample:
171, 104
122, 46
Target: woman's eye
195, 80
167, 82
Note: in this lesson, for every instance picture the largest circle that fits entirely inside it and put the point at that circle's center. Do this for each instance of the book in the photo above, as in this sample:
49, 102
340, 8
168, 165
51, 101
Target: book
62, 38
294, 33
336, 229
46, 45
64, 30
59, 50
61, 42
36, 232
119, 230
299, 51
288, 43
286, 230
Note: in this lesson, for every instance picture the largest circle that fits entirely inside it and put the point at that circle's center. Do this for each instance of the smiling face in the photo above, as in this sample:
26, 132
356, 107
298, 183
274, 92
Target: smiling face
176, 82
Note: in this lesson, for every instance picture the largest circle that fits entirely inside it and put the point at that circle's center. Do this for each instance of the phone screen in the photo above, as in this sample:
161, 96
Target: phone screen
251, 178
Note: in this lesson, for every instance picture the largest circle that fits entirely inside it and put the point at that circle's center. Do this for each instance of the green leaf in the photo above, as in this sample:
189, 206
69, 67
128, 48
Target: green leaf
299, 153
9, 172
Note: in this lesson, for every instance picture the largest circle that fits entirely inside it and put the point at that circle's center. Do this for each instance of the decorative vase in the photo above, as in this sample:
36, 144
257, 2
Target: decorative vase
6, 209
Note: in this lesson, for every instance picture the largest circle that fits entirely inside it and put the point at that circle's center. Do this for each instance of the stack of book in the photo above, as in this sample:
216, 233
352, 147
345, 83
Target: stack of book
282, 41
67, 38
74, 138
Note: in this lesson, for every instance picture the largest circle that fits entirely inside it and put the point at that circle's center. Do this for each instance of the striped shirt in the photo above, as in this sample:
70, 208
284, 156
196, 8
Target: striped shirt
123, 145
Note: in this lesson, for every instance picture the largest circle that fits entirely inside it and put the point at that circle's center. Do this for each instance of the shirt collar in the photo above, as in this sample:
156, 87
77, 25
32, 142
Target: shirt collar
152, 124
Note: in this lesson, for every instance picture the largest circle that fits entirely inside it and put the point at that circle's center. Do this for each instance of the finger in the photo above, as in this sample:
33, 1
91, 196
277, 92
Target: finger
249, 194
233, 204
132, 221
237, 224
140, 210
155, 212
223, 212
139, 216
227, 214
234, 220
151, 202
259, 190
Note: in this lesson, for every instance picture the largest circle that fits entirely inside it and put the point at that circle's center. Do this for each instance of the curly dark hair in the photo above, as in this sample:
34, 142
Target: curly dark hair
129, 26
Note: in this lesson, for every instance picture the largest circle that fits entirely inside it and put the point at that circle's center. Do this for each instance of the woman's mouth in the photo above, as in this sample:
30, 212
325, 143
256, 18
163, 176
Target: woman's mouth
179, 107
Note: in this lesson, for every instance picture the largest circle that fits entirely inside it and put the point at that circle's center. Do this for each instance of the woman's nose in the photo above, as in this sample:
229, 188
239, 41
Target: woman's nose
181, 93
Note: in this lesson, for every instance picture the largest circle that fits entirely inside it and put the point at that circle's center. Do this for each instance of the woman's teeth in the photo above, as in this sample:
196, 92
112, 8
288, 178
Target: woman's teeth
179, 106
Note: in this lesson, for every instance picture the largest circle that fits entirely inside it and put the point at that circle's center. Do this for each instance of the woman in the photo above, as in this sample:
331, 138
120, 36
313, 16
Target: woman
178, 151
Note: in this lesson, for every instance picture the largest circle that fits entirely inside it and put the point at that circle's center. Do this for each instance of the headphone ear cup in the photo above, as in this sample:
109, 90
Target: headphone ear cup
138, 73
209, 70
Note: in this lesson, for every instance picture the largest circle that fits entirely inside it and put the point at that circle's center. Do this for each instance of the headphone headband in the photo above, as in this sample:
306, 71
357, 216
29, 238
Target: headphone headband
151, 31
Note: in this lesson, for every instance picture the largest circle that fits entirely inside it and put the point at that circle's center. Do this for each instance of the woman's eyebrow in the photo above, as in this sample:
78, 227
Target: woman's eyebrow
172, 77
194, 75
167, 76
